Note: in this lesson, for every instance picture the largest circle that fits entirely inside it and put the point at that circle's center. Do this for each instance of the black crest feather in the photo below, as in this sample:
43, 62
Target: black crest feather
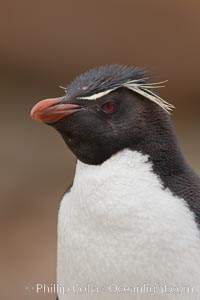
103, 78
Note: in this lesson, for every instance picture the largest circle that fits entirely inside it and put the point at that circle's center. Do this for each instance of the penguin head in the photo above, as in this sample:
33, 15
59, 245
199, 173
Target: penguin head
105, 110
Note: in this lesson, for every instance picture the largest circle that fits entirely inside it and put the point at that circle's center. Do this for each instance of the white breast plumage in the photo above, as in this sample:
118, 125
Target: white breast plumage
119, 226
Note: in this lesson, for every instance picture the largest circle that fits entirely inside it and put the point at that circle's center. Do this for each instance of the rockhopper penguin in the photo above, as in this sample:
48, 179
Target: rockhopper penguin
128, 227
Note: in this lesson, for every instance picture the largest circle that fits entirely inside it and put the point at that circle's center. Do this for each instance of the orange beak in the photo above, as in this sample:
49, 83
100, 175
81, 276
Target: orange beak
52, 110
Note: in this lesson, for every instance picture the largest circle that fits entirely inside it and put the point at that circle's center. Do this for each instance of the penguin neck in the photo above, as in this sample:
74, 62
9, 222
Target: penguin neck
115, 179
160, 149
161, 146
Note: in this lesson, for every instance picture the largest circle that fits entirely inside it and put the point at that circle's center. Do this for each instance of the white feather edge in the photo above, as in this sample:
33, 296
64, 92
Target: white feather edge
140, 88
62, 87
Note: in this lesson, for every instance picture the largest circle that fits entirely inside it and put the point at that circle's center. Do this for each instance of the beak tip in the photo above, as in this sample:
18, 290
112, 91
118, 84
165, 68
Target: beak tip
34, 115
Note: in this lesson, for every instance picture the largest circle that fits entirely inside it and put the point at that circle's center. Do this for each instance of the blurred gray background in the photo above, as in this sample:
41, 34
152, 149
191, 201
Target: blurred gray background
44, 44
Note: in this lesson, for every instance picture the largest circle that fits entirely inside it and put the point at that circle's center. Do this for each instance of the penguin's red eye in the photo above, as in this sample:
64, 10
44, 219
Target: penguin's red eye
108, 107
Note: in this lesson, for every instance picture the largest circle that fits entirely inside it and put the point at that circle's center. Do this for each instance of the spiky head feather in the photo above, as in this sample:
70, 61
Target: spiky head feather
100, 81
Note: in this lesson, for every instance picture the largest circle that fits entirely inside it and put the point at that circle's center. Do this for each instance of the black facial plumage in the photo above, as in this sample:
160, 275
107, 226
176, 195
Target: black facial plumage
94, 136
